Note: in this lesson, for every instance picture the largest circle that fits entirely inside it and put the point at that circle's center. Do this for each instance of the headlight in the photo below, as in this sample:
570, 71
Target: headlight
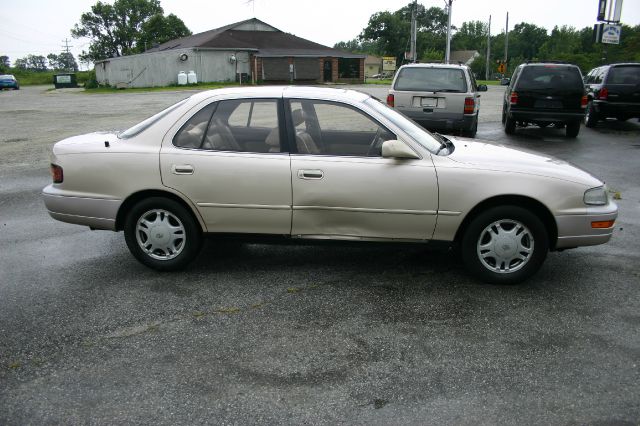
596, 196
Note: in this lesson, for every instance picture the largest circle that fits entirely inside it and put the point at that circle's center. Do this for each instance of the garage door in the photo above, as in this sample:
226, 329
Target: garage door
275, 69
307, 68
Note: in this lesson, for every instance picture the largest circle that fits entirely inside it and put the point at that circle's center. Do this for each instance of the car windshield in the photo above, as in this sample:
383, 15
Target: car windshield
144, 125
419, 134
624, 75
547, 77
6, 77
422, 79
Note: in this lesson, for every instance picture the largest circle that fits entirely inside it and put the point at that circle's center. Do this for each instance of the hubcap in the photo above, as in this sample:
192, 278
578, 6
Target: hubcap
505, 246
160, 234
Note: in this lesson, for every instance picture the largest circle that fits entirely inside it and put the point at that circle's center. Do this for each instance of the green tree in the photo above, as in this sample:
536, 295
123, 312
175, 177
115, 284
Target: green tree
525, 40
472, 35
63, 61
4, 63
160, 29
36, 63
390, 31
120, 29
562, 41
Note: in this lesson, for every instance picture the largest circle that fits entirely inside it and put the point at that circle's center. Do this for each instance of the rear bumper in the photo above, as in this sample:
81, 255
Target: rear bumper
613, 109
440, 121
95, 213
546, 115
576, 230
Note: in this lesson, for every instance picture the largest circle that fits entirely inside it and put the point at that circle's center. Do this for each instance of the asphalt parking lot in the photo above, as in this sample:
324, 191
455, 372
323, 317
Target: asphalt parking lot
305, 334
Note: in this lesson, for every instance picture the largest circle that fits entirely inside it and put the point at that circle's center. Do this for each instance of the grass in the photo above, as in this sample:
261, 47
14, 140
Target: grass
489, 82
376, 81
32, 78
199, 86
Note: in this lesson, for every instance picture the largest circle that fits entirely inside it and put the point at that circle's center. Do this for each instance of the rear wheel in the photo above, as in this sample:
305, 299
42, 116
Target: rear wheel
590, 115
504, 245
508, 122
471, 133
573, 128
162, 234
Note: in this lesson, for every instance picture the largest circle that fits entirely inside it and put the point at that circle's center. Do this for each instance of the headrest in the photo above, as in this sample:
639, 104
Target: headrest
297, 116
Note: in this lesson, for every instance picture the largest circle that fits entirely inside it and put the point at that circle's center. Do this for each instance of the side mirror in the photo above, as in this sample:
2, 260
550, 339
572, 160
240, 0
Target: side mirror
482, 88
397, 149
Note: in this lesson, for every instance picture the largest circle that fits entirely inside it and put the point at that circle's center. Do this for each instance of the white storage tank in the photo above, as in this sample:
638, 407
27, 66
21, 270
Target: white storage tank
192, 78
182, 78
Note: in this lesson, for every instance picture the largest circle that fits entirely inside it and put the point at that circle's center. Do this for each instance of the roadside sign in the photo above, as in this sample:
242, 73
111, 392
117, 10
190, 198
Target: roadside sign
611, 33
501, 68
388, 63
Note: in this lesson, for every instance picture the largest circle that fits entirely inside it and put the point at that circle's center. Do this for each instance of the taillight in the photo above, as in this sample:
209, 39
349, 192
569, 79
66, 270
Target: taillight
514, 98
390, 100
56, 173
603, 94
469, 105
584, 101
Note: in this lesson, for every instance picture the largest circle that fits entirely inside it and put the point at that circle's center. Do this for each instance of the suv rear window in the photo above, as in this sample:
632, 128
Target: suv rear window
431, 80
624, 75
550, 77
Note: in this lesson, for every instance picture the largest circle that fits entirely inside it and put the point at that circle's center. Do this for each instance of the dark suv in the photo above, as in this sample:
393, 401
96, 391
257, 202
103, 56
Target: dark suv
543, 94
613, 91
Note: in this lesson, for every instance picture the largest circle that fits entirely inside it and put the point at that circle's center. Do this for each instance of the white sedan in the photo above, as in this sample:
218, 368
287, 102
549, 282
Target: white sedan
315, 163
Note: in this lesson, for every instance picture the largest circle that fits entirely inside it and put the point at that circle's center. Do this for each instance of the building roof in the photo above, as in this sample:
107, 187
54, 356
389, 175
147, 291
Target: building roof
464, 56
253, 35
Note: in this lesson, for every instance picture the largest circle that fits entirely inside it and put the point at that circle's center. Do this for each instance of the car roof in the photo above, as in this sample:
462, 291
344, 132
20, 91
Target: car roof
285, 92
434, 65
7, 76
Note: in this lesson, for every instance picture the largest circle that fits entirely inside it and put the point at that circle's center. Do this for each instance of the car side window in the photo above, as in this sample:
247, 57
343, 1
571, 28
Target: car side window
331, 128
233, 125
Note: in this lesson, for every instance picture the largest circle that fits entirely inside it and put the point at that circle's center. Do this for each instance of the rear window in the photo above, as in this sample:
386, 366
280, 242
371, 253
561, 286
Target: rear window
550, 77
624, 75
431, 80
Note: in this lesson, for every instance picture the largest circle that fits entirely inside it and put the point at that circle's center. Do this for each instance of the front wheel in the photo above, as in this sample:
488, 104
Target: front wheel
504, 245
162, 234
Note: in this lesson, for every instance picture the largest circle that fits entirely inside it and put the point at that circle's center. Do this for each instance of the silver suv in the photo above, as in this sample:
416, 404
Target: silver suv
438, 96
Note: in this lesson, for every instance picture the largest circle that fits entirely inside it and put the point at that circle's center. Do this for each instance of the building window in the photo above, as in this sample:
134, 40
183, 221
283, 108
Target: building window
348, 67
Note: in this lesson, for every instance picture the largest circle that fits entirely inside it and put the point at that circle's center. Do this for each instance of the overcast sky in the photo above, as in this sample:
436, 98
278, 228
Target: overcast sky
40, 26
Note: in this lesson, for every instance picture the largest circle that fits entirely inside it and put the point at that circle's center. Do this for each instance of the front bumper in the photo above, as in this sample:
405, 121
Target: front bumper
96, 213
576, 230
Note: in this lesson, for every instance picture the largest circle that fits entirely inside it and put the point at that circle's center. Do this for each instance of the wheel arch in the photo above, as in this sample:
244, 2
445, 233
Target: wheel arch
533, 205
136, 197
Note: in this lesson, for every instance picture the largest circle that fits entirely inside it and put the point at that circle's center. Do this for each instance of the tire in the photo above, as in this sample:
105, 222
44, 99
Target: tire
508, 122
176, 238
573, 128
471, 133
590, 116
490, 243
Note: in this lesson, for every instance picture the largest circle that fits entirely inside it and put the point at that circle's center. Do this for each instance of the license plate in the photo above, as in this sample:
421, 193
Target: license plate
430, 102
548, 104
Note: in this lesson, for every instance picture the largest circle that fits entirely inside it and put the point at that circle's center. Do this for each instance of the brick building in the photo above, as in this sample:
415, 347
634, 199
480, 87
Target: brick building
250, 50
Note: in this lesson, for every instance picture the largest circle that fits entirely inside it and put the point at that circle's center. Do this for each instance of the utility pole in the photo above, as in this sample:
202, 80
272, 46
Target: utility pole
447, 52
414, 30
68, 53
506, 45
486, 74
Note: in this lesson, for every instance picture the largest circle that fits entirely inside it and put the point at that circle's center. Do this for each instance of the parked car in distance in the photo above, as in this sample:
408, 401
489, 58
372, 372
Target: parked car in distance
613, 91
542, 94
7, 81
504, 81
300, 163
383, 75
438, 96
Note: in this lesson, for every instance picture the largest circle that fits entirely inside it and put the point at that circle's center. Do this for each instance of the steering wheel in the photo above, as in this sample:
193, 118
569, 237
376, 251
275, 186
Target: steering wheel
374, 146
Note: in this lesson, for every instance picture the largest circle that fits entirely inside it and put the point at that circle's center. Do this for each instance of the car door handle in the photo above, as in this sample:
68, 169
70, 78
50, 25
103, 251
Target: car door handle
310, 174
182, 169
